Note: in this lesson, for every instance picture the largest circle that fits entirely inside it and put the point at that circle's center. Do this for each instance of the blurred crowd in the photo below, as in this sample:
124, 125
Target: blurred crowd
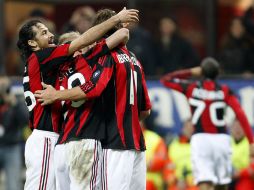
166, 52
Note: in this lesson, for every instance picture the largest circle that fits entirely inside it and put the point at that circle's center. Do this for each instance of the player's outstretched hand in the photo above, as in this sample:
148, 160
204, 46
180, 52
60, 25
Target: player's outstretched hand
128, 15
47, 95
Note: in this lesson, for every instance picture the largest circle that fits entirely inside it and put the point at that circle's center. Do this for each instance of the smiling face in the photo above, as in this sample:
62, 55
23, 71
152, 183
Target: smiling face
43, 38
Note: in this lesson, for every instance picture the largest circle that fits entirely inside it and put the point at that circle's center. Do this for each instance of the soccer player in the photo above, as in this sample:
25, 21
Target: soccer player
78, 153
119, 79
210, 144
43, 59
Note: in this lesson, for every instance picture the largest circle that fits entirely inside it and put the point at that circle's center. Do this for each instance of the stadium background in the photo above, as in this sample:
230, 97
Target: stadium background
204, 24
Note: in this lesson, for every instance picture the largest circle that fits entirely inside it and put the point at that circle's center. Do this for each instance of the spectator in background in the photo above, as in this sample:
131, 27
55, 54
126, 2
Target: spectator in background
81, 20
13, 116
237, 49
179, 152
174, 52
141, 44
243, 170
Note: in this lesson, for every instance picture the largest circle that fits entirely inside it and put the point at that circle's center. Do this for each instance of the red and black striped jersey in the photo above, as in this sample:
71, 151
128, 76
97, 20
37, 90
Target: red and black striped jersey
119, 79
42, 66
207, 100
83, 119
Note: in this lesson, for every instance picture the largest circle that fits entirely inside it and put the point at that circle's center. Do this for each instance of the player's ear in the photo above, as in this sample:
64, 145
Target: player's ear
32, 43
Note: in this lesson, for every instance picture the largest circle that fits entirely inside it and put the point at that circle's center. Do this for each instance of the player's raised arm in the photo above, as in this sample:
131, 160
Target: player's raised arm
99, 30
174, 80
121, 36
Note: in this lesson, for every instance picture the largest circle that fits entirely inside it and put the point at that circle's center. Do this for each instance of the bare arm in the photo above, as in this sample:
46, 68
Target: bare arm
96, 32
120, 36
50, 94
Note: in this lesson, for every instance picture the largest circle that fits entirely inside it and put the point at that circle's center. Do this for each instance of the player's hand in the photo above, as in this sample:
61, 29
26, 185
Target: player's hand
252, 150
196, 71
128, 15
47, 95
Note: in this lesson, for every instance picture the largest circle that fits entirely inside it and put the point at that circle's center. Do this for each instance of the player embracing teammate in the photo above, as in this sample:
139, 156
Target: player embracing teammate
106, 106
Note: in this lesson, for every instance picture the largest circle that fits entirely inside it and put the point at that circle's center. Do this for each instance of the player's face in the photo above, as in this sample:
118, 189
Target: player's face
44, 38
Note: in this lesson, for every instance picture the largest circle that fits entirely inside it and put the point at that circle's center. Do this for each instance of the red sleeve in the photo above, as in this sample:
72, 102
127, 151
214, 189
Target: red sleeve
233, 102
52, 57
100, 77
174, 80
146, 103
99, 50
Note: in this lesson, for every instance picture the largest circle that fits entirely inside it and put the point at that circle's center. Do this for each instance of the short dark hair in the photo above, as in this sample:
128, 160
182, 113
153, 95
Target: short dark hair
103, 15
210, 68
26, 33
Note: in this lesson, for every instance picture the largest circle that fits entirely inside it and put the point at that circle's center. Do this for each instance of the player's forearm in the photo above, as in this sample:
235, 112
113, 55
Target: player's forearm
71, 94
181, 74
121, 36
93, 34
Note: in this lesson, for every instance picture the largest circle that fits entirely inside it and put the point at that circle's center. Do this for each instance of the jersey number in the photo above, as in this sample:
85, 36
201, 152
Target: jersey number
213, 110
133, 83
75, 80
29, 96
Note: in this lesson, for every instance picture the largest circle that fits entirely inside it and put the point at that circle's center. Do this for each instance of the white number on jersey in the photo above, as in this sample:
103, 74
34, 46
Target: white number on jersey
29, 96
132, 84
71, 79
213, 109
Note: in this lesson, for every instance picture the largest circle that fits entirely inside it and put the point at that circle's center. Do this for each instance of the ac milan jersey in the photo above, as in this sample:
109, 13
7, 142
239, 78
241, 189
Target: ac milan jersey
121, 79
42, 66
83, 119
208, 101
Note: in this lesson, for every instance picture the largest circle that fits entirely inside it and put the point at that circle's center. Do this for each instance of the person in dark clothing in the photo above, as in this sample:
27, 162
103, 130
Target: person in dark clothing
236, 52
13, 116
142, 45
81, 20
174, 52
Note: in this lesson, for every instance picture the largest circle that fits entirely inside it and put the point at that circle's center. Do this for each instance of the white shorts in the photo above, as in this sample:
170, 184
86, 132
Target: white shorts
78, 165
123, 170
39, 155
211, 158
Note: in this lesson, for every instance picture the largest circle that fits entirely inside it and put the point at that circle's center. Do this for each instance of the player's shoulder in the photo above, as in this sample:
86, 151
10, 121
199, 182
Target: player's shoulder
46, 52
226, 89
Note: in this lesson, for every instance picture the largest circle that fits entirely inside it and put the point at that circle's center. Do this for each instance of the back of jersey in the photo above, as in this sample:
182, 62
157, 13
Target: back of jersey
121, 103
207, 100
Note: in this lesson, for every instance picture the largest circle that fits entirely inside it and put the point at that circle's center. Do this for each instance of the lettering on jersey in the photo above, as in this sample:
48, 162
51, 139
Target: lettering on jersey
122, 58
67, 74
135, 61
208, 95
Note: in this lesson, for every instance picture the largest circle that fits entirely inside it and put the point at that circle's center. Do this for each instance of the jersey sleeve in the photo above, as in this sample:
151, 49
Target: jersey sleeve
51, 58
175, 80
100, 49
100, 77
233, 102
